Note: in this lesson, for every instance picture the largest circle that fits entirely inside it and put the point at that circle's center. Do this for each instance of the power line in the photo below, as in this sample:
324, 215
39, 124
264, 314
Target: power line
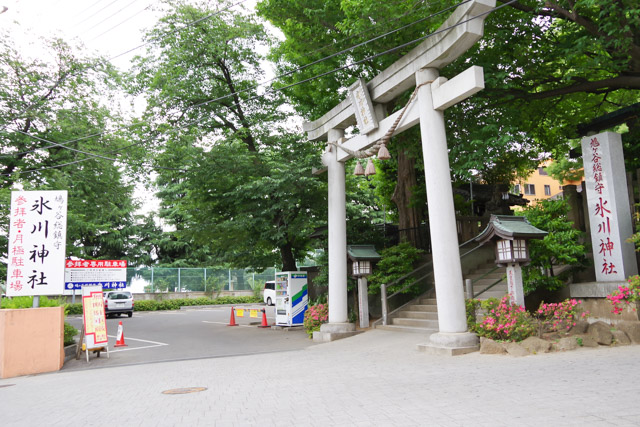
263, 83
122, 22
204, 18
112, 15
394, 49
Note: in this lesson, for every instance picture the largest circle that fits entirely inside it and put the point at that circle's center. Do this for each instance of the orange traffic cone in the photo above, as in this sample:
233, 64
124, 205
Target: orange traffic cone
264, 320
120, 336
232, 320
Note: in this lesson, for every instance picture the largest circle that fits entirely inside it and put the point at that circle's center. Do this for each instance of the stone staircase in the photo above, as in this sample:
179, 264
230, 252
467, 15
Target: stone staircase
421, 314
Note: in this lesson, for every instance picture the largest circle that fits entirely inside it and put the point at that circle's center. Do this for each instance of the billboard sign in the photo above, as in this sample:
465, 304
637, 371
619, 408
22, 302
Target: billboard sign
107, 274
37, 237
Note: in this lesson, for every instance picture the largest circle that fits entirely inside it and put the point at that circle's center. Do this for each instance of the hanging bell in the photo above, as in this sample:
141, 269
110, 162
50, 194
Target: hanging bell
359, 170
383, 153
371, 169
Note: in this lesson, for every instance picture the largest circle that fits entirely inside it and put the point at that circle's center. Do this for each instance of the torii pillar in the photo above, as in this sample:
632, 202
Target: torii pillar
447, 271
435, 94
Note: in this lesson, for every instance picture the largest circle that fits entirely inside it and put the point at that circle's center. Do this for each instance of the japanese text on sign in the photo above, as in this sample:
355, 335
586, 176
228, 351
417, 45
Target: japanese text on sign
37, 236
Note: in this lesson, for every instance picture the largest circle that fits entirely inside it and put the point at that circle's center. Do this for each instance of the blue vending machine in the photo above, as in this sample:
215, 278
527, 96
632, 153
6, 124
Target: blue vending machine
291, 297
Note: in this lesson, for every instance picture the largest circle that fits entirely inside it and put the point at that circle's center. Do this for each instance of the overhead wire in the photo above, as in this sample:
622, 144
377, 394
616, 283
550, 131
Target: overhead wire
111, 16
263, 83
392, 50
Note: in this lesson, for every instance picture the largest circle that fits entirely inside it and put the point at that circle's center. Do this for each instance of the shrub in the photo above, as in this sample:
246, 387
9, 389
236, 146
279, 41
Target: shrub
555, 317
75, 308
69, 333
314, 317
562, 246
505, 321
175, 304
396, 262
625, 295
27, 302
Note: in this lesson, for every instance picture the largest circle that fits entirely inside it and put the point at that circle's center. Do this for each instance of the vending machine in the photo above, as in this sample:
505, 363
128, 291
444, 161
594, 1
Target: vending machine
291, 297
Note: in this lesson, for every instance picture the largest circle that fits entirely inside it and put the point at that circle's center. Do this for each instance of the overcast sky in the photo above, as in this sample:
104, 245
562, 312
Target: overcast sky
109, 27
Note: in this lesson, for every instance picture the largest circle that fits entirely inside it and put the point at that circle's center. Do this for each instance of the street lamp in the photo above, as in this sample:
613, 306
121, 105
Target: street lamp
511, 234
362, 258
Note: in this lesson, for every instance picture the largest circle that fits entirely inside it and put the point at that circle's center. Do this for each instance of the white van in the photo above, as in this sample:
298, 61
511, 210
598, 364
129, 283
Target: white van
269, 293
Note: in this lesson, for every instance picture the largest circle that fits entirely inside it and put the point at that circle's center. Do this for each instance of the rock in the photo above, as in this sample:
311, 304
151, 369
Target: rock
620, 338
489, 346
565, 344
515, 349
536, 345
580, 327
601, 332
632, 329
585, 340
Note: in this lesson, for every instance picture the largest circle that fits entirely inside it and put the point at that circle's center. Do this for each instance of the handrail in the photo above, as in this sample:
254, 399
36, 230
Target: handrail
384, 287
489, 287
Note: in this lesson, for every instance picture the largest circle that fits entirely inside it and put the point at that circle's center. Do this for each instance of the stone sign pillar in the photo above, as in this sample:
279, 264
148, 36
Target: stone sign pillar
608, 207
515, 284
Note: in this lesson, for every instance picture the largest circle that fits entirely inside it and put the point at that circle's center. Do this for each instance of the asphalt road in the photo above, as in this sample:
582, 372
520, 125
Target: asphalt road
189, 334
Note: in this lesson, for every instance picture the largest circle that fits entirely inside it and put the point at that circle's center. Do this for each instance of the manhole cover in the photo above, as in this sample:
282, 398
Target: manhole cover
184, 390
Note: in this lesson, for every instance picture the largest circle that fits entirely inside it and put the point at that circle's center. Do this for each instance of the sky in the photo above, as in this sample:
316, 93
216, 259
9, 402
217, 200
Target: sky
108, 27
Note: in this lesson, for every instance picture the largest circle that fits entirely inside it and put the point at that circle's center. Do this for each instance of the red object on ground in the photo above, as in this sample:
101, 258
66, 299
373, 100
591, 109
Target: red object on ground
264, 320
232, 320
120, 336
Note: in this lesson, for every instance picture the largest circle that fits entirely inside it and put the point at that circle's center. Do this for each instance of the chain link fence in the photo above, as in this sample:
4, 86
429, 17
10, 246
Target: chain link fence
160, 279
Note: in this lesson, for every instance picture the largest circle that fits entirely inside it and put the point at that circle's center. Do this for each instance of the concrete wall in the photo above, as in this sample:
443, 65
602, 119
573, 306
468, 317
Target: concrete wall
31, 341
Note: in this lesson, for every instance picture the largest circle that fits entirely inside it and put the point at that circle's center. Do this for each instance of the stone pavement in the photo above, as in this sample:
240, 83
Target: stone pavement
375, 378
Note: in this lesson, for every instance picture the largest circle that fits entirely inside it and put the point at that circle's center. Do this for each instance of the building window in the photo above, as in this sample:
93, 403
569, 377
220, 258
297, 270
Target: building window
547, 190
542, 171
516, 189
529, 190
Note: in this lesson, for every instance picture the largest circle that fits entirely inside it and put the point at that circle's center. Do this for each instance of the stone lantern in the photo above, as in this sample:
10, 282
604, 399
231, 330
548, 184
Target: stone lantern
511, 234
362, 258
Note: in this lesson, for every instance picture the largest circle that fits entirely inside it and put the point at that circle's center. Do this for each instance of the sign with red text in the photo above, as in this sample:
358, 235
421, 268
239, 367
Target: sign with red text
37, 237
608, 206
95, 323
108, 274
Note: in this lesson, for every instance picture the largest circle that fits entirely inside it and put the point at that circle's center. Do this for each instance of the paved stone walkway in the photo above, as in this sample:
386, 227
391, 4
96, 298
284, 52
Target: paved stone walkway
376, 378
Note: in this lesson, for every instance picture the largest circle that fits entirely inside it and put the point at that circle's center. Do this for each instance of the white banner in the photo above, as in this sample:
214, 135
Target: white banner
37, 237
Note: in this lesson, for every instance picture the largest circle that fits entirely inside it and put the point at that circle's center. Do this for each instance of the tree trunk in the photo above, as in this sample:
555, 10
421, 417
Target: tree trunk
409, 217
286, 255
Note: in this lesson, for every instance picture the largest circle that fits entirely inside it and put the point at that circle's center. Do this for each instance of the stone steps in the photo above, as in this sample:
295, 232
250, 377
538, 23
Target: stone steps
421, 316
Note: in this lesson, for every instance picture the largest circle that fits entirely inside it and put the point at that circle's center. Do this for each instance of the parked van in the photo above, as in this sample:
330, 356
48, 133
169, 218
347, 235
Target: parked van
269, 293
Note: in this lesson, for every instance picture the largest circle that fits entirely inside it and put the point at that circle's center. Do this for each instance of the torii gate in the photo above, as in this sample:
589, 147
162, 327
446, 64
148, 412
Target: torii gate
434, 94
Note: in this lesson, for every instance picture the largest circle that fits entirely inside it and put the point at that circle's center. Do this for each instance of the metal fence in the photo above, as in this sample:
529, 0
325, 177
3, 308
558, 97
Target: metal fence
161, 279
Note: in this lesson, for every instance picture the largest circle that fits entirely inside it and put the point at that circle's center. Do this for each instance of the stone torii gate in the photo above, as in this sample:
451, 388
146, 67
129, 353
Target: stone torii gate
419, 68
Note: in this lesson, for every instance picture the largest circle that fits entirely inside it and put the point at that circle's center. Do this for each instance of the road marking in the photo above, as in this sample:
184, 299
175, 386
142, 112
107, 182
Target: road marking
155, 344
226, 324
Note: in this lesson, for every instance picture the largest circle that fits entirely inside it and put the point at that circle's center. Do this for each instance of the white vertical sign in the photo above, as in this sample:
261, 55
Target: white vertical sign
608, 204
37, 236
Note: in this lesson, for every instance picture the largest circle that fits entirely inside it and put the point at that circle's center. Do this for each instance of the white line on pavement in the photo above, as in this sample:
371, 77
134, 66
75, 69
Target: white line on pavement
226, 324
156, 344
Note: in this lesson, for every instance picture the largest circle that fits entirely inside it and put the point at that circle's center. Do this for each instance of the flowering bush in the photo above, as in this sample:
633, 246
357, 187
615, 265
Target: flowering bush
505, 321
315, 316
555, 317
625, 295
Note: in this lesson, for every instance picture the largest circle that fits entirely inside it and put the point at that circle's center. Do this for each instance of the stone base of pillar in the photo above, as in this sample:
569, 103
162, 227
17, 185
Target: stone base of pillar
335, 331
451, 344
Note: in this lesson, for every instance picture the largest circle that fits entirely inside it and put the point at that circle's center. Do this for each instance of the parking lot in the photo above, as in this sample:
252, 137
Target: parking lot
190, 334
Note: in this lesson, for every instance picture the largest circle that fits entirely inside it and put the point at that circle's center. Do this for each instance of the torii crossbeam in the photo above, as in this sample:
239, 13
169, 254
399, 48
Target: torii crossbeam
419, 68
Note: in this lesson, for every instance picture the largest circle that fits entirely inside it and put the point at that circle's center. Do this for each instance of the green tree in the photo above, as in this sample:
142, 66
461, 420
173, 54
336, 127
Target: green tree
58, 121
549, 66
236, 180
559, 254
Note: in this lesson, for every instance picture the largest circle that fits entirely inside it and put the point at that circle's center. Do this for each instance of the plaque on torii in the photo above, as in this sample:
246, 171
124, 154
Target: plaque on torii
419, 69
